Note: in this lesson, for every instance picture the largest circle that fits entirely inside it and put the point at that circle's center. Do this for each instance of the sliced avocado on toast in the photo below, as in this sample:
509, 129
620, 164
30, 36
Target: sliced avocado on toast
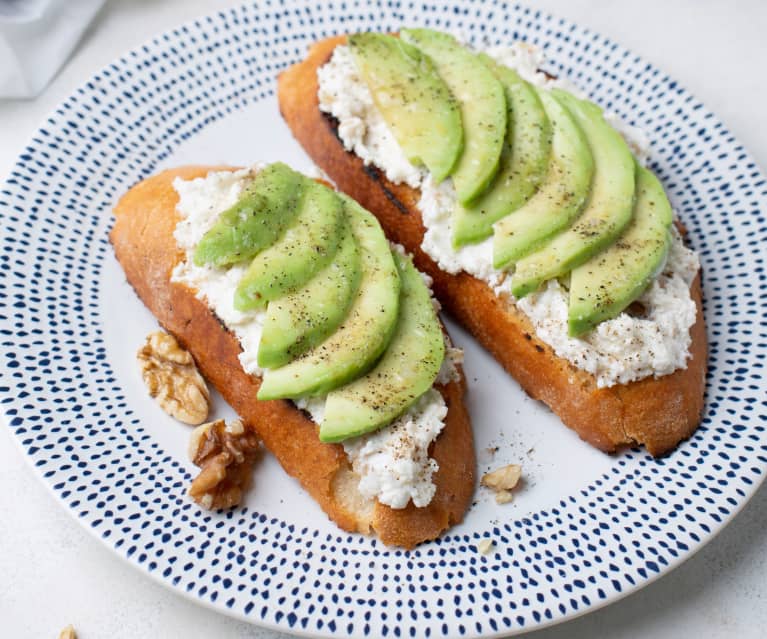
606, 284
606, 212
308, 244
560, 198
365, 332
413, 99
303, 318
264, 210
524, 160
483, 108
406, 370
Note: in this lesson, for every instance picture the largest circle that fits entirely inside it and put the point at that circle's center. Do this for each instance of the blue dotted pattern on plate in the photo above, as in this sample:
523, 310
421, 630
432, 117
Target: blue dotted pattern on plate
65, 405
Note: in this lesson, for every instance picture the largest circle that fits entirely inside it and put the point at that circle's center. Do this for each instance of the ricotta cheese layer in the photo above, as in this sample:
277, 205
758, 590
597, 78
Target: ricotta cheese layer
361, 125
393, 463
626, 348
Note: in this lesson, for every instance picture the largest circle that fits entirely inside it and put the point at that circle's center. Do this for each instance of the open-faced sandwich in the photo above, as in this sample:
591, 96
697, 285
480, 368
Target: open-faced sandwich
321, 335
531, 210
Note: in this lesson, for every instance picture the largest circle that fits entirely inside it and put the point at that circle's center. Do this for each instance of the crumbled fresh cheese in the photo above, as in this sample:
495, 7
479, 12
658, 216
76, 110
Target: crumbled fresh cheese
450, 365
626, 348
618, 351
393, 463
527, 60
344, 95
437, 204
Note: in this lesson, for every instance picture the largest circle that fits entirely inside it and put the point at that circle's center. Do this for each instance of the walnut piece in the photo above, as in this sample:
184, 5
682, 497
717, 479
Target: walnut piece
502, 481
485, 546
171, 377
68, 633
226, 455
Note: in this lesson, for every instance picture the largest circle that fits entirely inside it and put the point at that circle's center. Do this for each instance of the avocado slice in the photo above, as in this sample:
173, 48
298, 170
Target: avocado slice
483, 108
266, 207
406, 370
561, 196
307, 245
606, 213
524, 160
364, 333
414, 100
605, 285
300, 320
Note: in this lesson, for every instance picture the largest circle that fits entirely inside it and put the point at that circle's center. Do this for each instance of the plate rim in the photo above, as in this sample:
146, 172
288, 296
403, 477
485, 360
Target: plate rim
125, 59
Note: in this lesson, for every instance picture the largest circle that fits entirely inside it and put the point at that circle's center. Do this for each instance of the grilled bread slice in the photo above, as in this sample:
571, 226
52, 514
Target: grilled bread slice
142, 237
657, 413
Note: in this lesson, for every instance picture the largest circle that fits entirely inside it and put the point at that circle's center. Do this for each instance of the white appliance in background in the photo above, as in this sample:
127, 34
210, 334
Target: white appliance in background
36, 38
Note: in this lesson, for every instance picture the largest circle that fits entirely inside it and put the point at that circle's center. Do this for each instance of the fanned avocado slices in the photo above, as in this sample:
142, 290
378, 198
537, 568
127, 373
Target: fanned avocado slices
561, 196
413, 99
483, 108
406, 370
307, 245
606, 213
365, 332
302, 319
605, 285
524, 159
265, 208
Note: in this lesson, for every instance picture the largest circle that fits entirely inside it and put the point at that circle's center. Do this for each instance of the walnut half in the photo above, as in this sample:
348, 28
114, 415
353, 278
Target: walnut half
171, 377
225, 454
501, 481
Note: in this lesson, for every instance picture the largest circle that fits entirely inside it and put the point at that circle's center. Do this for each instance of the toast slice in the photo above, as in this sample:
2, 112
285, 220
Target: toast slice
142, 237
657, 413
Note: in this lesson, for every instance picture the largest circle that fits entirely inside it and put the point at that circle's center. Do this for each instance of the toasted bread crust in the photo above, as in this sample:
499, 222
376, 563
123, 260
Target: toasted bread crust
657, 413
145, 219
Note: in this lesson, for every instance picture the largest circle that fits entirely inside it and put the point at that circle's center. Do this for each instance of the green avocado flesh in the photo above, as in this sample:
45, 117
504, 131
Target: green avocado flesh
265, 208
561, 196
606, 212
365, 332
406, 370
605, 285
307, 245
524, 160
483, 108
302, 319
413, 99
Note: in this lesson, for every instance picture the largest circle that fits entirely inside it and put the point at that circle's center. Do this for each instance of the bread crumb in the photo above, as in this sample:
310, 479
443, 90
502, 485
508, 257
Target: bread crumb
485, 546
503, 496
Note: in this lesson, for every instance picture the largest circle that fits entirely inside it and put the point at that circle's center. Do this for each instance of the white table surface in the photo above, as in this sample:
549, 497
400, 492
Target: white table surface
52, 572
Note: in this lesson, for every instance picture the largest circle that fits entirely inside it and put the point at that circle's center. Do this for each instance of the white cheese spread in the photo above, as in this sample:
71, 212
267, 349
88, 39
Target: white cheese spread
361, 125
618, 351
393, 463
626, 348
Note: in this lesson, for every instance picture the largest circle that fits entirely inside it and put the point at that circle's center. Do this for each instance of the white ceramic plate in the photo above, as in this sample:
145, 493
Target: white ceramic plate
586, 528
